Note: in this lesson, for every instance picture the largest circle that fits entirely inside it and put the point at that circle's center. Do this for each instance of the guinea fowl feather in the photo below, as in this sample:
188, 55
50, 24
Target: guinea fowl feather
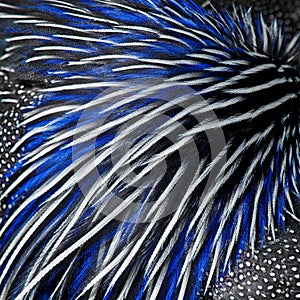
158, 147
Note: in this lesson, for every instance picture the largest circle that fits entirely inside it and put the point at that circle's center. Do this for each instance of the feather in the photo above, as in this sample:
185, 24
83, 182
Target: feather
160, 145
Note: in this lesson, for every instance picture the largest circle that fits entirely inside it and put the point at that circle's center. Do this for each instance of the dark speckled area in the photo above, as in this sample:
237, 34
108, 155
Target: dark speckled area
287, 12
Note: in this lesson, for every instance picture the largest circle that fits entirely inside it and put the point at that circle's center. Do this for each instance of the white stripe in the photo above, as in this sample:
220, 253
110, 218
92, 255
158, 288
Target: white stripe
87, 78
5, 56
257, 88
60, 48
235, 79
292, 43
8, 6
184, 283
236, 62
108, 56
215, 51
172, 11
48, 112
207, 20
32, 21
157, 286
20, 142
254, 214
258, 68
125, 288
116, 4
173, 38
42, 57
7, 16
9, 100
82, 11
81, 86
61, 283
206, 3
60, 2
185, 32
185, 29
234, 238
134, 67
185, 76
208, 36
204, 56
139, 28
214, 263
154, 268
253, 34
246, 116
27, 37
293, 216
136, 44
200, 81
257, 54
218, 69
9, 49
265, 35
168, 62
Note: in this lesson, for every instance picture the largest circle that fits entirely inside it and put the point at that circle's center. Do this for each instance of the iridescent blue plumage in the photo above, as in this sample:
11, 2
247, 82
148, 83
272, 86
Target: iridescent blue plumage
92, 67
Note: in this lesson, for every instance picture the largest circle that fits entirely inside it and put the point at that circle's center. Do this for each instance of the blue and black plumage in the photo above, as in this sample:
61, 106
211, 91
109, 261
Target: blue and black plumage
103, 87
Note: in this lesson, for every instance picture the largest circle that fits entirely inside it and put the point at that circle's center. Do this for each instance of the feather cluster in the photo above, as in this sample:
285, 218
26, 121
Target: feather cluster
161, 140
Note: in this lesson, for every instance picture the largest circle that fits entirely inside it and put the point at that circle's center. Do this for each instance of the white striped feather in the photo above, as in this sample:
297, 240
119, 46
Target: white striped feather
158, 263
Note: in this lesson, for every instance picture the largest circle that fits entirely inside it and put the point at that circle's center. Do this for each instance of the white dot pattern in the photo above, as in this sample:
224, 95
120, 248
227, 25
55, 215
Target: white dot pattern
14, 98
270, 273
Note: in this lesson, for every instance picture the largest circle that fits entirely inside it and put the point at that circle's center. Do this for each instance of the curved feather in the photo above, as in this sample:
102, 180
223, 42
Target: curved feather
92, 66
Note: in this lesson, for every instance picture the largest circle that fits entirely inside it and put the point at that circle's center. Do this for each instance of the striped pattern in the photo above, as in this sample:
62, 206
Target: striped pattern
93, 67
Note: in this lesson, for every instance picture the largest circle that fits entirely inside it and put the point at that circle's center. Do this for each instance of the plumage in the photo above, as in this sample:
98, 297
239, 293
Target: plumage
158, 144
286, 12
